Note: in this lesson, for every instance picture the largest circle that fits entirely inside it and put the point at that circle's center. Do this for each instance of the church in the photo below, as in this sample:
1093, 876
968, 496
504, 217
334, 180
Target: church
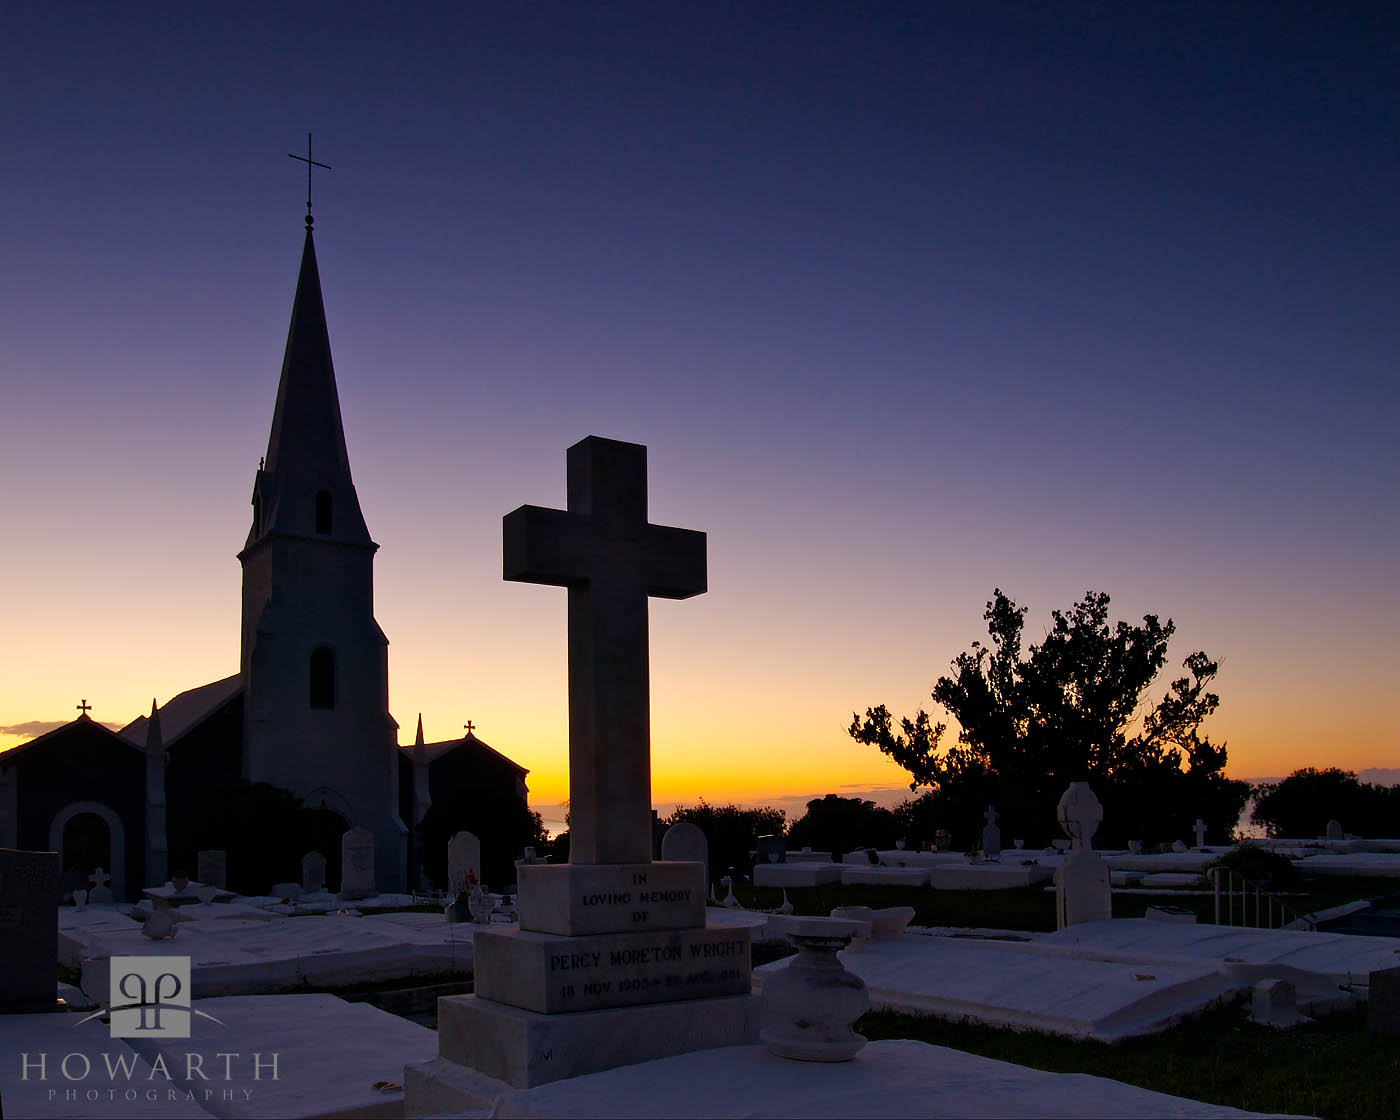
308, 710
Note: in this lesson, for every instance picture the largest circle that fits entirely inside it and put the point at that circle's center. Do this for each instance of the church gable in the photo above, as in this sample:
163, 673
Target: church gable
80, 791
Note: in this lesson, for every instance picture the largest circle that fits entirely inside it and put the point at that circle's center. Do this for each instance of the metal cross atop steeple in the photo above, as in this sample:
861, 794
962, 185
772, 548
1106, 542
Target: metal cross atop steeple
84, 707
310, 163
470, 726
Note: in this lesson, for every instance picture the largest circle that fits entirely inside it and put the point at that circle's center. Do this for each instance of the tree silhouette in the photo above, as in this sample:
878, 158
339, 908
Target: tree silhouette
1069, 709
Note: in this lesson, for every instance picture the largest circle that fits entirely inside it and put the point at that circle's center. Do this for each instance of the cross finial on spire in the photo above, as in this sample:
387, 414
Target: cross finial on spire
310, 163
84, 707
470, 726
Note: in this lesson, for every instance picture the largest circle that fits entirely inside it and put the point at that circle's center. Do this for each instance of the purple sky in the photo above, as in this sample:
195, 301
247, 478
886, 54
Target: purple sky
907, 301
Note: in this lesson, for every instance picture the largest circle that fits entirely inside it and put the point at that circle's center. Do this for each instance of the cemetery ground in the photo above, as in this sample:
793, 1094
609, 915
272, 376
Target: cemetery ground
1331, 1068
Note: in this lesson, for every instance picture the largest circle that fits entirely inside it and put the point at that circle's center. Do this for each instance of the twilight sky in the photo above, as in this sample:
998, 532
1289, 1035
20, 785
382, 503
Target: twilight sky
908, 302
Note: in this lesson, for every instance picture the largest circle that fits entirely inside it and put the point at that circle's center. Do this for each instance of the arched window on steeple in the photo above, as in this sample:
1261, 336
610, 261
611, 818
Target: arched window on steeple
323, 512
322, 693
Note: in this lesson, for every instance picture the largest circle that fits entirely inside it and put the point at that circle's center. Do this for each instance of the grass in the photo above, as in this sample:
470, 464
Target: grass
1331, 1068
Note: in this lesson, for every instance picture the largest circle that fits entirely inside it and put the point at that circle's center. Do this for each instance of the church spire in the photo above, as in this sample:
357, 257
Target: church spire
304, 486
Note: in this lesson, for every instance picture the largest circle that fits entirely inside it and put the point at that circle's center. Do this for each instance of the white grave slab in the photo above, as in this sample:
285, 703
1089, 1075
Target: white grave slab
1378, 864
58, 1035
1307, 958
796, 874
1018, 984
314, 1078
895, 1078
885, 876
988, 876
251, 956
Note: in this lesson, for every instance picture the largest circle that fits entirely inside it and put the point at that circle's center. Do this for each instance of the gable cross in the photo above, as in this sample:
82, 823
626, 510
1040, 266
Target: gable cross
611, 559
84, 707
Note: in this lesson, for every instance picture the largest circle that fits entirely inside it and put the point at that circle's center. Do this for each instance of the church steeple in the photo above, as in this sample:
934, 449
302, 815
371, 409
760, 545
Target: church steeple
303, 486
314, 662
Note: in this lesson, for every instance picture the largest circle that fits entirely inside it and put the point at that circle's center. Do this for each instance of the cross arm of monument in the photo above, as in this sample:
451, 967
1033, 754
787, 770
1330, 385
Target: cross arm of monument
556, 547
540, 545
675, 562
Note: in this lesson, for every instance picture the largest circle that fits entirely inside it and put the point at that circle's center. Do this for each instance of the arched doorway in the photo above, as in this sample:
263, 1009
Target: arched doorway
324, 827
88, 835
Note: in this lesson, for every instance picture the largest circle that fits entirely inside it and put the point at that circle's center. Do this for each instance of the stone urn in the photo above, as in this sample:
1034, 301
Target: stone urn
809, 1007
480, 905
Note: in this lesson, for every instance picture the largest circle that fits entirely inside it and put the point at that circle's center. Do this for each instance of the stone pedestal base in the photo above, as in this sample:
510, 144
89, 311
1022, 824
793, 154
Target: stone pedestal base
482, 1044
551, 974
573, 899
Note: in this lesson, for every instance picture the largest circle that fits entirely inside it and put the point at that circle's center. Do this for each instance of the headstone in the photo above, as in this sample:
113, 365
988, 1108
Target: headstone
772, 849
211, 869
1082, 884
289, 891
28, 930
313, 873
357, 863
463, 862
206, 894
1200, 830
1135, 846
1019, 844
1275, 1004
80, 900
991, 834
1383, 1003
612, 932
1334, 831
1179, 846
685, 842
100, 892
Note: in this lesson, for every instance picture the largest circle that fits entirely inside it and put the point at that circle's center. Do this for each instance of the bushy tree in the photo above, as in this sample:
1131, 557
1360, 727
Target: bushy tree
1071, 708
730, 831
259, 856
1301, 805
839, 824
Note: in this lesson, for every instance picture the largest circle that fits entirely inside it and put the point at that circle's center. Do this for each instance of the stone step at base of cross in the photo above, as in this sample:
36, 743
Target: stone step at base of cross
549, 974
485, 1047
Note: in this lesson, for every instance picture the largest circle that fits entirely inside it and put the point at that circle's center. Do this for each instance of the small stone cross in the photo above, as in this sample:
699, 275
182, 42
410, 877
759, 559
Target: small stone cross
84, 707
603, 549
1200, 833
99, 878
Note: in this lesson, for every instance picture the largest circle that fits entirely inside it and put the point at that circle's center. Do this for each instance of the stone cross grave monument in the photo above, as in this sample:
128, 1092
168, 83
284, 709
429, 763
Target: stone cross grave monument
1200, 833
613, 962
1082, 884
991, 834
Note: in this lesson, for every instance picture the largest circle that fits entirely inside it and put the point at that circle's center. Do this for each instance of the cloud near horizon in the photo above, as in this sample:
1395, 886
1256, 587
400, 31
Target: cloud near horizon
33, 728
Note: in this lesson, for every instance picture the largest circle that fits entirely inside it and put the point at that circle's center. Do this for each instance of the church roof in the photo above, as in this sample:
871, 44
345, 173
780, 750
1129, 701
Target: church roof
84, 721
185, 712
435, 751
